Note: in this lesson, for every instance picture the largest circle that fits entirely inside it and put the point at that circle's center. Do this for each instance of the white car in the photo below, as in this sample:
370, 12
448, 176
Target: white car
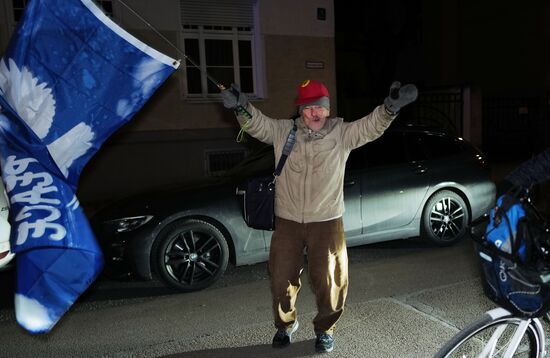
5, 254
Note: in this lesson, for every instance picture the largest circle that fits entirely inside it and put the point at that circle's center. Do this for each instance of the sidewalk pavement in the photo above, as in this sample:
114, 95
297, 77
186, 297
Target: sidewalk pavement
403, 302
415, 325
399, 306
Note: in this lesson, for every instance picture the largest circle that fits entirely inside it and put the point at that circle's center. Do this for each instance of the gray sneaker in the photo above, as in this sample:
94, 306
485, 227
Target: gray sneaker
324, 343
283, 337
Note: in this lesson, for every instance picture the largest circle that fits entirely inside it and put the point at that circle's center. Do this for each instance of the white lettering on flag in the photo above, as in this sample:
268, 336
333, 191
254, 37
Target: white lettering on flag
38, 217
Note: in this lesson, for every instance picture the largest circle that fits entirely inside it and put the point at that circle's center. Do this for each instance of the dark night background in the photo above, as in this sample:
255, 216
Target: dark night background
374, 36
497, 49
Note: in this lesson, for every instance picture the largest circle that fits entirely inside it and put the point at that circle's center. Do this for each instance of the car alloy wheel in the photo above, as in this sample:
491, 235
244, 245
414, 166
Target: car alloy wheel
191, 255
445, 218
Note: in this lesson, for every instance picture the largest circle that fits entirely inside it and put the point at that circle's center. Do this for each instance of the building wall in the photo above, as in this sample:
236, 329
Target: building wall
296, 18
289, 41
133, 162
5, 24
166, 143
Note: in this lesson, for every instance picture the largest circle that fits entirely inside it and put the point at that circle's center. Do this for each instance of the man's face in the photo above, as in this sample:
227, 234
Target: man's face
315, 117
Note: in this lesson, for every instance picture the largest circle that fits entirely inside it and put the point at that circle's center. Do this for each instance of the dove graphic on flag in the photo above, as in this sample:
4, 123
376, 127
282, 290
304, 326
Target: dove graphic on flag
69, 78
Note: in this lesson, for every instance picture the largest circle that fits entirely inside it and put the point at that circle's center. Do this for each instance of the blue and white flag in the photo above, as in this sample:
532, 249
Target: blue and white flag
69, 78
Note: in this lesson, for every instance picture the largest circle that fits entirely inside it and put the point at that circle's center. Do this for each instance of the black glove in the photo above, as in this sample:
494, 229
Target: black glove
400, 97
233, 97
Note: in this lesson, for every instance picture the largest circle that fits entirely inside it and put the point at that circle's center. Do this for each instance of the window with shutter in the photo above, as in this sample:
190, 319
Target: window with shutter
19, 5
107, 6
218, 37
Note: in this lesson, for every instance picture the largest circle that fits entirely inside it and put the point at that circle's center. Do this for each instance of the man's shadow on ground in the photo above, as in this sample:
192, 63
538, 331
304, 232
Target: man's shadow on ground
298, 349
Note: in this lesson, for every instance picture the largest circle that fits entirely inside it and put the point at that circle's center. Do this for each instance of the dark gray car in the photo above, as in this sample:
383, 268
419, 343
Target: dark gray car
410, 182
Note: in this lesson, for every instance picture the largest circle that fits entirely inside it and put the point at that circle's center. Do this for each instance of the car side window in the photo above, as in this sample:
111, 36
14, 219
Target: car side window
386, 150
440, 146
415, 147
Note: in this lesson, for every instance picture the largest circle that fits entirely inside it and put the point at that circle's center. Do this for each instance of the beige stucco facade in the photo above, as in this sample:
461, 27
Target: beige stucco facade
288, 38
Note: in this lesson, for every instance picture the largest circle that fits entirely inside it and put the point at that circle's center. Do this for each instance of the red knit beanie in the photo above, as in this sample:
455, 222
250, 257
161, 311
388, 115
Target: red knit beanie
310, 91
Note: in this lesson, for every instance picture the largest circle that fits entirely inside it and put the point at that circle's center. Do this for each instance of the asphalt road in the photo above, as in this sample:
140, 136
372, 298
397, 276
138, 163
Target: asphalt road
406, 299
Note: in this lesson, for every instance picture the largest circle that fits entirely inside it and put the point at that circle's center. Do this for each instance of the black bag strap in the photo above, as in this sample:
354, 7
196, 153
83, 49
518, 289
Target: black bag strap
286, 150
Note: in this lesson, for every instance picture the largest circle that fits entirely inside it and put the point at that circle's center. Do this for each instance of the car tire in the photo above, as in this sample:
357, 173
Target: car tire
445, 218
190, 255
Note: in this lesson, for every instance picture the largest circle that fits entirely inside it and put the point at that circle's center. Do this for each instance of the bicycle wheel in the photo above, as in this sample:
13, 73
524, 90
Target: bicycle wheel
491, 337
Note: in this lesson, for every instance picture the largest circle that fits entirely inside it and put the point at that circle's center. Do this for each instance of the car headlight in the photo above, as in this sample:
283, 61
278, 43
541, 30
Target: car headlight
127, 224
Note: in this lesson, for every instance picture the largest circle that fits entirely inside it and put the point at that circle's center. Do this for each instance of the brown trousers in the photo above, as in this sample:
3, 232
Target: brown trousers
327, 268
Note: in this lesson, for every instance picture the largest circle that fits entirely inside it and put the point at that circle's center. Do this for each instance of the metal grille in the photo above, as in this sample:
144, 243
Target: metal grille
441, 108
515, 127
438, 108
218, 162
218, 13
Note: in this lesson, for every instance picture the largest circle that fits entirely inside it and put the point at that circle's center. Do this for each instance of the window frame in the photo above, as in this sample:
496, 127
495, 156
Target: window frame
100, 3
12, 20
15, 8
202, 33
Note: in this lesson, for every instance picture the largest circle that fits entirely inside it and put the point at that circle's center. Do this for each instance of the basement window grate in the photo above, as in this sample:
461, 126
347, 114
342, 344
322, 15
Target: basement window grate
218, 162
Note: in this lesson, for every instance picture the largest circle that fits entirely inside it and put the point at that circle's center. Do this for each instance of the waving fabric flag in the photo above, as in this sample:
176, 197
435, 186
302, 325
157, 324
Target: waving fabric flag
69, 78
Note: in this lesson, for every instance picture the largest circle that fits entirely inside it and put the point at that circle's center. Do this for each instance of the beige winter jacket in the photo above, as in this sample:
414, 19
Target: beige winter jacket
310, 187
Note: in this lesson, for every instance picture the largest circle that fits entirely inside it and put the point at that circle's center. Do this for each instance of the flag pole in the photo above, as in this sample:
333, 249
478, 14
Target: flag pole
221, 87
191, 61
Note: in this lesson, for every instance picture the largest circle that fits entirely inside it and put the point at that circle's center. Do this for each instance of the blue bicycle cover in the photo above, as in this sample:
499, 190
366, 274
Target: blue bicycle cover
504, 233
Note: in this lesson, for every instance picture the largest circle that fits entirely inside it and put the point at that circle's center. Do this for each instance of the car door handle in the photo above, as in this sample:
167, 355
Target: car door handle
349, 183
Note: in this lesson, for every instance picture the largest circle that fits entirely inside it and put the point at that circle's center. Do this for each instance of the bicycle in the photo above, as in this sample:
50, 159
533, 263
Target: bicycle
519, 284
